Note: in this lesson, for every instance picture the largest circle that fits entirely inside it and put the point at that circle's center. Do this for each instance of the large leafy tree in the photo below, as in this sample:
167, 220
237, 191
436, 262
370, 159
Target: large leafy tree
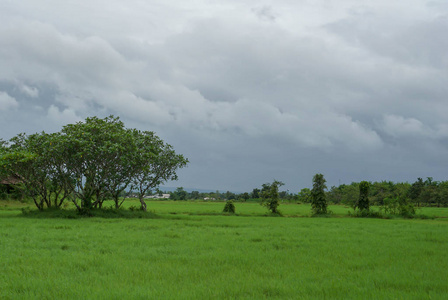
318, 197
90, 161
155, 163
96, 152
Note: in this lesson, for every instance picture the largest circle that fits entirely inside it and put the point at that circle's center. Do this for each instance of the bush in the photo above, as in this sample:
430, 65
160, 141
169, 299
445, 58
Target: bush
398, 206
229, 207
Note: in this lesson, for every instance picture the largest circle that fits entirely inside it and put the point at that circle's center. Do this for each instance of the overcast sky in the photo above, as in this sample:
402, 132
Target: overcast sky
249, 91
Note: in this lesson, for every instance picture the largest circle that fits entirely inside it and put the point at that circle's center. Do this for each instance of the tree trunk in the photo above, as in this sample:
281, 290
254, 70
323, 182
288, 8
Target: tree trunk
143, 203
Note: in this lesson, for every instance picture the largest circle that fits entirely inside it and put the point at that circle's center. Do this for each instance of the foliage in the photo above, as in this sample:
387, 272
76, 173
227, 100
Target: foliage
90, 162
179, 194
229, 207
304, 195
318, 197
420, 193
255, 193
157, 163
416, 190
398, 206
33, 161
100, 159
363, 202
270, 196
245, 196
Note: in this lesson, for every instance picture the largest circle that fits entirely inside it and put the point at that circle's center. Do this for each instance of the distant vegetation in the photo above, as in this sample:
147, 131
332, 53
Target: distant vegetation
97, 160
420, 193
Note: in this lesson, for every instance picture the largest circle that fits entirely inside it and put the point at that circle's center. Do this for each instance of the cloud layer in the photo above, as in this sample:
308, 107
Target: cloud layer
249, 91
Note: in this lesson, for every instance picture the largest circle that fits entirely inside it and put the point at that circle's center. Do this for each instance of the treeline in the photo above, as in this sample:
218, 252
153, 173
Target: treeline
421, 193
254, 196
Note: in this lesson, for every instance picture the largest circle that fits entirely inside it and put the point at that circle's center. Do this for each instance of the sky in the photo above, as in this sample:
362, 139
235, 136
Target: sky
248, 91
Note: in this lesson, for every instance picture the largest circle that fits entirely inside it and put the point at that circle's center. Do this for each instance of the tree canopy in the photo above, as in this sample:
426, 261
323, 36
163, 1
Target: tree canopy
89, 162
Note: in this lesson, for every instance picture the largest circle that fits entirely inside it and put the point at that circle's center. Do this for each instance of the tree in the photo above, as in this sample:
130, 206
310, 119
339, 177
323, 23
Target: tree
156, 162
230, 196
270, 196
429, 191
304, 195
90, 161
415, 191
33, 159
363, 202
179, 194
443, 192
100, 157
318, 199
256, 193
194, 195
245, 196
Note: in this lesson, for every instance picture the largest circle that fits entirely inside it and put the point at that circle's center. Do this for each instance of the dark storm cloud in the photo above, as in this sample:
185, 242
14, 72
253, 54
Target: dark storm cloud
248, 91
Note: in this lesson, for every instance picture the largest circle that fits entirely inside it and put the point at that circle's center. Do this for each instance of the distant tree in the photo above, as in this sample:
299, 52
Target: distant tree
415, 191
179, 194
230, 196
443, 192
194, 195
270, 196
245, 196
304, 195
363, 202
255, 193
217, 195
318, 197
428, 194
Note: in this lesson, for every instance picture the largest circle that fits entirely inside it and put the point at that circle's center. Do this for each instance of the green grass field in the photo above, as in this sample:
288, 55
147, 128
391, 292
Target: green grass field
189, 250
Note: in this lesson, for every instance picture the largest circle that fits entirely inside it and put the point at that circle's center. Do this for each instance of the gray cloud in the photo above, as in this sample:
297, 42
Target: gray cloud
7, 102
248, 91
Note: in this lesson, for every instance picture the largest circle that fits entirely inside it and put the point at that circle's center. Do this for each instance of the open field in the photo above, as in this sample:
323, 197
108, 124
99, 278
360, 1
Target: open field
190, 251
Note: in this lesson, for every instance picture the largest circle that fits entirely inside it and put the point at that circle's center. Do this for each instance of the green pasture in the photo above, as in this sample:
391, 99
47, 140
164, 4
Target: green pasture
189, 250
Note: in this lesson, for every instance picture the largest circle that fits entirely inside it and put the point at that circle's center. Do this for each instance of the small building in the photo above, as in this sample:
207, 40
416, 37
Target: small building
159, 196
8, 183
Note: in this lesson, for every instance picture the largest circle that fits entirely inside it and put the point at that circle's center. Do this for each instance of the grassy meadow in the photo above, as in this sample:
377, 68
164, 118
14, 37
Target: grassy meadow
190, 250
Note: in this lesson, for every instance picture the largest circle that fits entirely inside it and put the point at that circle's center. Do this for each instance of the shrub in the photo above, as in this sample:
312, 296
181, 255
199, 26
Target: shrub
398, 206
229, 207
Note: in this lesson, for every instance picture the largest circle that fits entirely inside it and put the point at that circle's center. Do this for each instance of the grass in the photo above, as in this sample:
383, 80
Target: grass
189, 250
